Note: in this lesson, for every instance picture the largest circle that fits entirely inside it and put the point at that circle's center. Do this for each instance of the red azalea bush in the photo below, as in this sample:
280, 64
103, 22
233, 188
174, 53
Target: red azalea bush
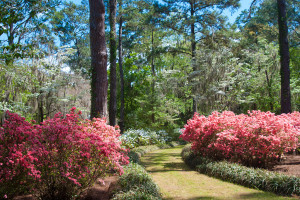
62, 156
19, 145
257, 139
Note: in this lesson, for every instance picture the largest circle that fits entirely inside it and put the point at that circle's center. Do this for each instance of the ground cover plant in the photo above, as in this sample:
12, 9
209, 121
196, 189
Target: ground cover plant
58, 158
251, 177
258, 139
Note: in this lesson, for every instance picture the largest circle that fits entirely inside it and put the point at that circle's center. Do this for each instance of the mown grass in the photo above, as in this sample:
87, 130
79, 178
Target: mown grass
177, 181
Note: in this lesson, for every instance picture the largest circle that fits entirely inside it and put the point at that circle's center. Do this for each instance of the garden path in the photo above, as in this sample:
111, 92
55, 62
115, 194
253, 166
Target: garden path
178, 182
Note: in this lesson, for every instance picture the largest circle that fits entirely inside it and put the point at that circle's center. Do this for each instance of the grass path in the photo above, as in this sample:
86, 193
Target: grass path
178, 182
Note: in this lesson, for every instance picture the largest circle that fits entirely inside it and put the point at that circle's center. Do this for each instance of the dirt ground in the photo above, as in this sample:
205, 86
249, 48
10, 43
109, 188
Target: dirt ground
98, 192
289, 165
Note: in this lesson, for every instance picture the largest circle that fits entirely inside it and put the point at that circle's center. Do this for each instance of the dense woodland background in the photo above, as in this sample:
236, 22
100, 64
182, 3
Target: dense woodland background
177, 57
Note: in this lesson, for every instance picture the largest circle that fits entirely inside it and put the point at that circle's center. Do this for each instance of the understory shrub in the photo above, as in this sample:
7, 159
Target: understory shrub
137, 184
258, 139
135, 138
59, 158
236, 173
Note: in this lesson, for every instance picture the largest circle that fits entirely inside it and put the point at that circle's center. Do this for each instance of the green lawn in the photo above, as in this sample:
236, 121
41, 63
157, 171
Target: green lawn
177, 181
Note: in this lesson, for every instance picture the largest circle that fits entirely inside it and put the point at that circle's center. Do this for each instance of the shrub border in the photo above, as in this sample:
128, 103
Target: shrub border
254, 178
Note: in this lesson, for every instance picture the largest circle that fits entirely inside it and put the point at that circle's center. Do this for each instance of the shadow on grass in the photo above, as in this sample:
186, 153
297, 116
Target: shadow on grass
158, 157
255, 195
195, 198
258, 195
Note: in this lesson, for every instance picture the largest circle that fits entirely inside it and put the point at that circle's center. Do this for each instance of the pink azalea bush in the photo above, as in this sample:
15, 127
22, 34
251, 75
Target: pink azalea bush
258, 139
60, 157
19, 145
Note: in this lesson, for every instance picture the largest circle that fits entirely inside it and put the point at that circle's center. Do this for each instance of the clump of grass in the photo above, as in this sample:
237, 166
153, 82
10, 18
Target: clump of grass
250, 177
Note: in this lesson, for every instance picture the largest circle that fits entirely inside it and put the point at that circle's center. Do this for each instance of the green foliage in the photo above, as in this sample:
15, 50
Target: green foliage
71, 25
250, 177
32, 85
136, 184
167, 104
23, 25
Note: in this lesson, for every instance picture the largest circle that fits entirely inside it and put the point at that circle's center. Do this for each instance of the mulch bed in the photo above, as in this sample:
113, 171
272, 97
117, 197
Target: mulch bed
98, 192
290, 165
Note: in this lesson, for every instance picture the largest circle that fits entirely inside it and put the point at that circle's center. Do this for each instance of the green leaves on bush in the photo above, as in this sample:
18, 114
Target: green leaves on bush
137, 184
250, 177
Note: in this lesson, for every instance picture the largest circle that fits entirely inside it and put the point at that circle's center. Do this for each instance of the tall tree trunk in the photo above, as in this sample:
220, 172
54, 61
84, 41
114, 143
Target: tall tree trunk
121, 122
112, 59
153, 76
99, 59
284, 58
193, 46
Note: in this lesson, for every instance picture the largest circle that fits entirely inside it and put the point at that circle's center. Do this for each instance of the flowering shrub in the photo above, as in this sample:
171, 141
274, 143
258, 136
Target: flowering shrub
63, 155
19, 146
257, 139
135, 138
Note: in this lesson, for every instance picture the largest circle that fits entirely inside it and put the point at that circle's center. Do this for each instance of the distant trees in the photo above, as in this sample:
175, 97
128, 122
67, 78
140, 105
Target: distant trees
194, 20
175, 57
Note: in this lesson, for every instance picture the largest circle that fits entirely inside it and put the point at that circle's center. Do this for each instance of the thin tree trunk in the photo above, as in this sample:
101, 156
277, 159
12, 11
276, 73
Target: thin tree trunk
113, 65
121, 122
270, 91
153, 76
40, 108
284, 58
193, 46
99, 59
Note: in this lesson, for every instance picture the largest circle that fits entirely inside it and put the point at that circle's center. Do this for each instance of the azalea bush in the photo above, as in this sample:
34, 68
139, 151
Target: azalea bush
19, 149
135, 138
58, 158
258, 139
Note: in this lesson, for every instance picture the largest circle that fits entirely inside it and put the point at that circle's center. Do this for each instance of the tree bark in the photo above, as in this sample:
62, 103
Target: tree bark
193, 48
153, 76
121, 122
112, 59
99, 59
284, 58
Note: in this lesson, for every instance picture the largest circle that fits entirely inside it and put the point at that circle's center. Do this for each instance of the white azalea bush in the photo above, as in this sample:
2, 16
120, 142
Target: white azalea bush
140, 137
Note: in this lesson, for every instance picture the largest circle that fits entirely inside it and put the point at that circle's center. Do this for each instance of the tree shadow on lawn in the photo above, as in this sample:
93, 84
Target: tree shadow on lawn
259, 195
167, 167
195, 198
254, 195
159, 159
